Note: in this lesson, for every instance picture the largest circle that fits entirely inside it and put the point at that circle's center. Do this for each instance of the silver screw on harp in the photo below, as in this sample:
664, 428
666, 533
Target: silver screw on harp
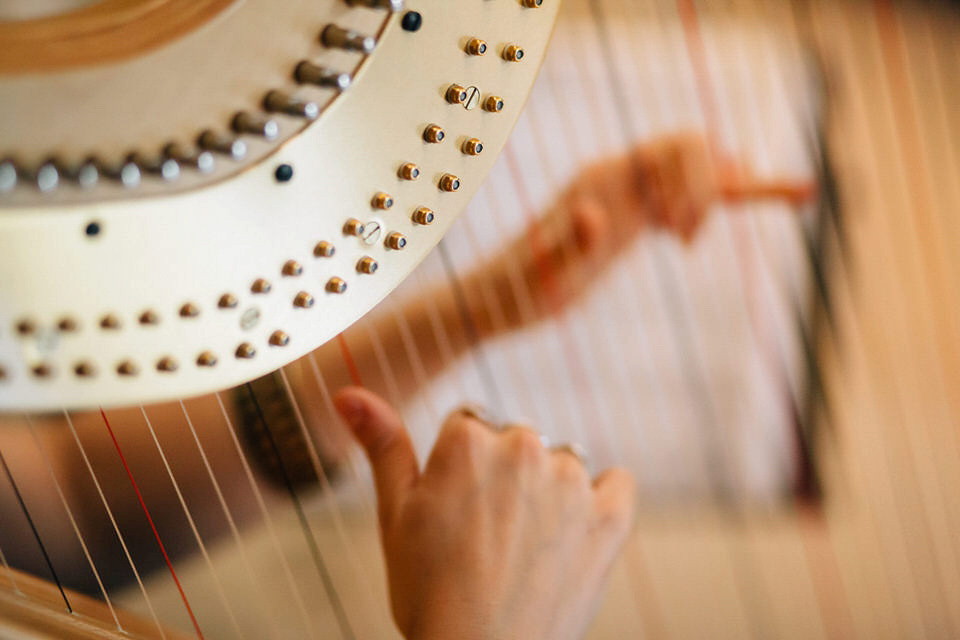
309, 73
340, 38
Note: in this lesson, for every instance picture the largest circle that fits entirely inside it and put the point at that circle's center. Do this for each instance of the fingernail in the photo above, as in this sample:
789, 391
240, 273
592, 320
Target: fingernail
352, 409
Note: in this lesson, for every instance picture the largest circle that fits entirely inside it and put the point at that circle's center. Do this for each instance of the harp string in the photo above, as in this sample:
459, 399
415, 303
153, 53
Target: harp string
113, 522
368, 508
153, 527
668, 283
477, 351
910, 511
750, 229
822, 539
235, 533
915, 171
45, 454
440, 334
323, 572
820, 560
549, 416
571, 348
618, 295
747, 576
416, 362
383, 363
927, 260
910, 593
267, 519
639, 581
492, 306
740, 568
33, 529
763, 236
218, 585
332, 504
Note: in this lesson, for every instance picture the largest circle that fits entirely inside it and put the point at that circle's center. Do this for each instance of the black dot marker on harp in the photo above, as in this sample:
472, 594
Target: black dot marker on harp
284, 173
36, 534
92, 229
411, 21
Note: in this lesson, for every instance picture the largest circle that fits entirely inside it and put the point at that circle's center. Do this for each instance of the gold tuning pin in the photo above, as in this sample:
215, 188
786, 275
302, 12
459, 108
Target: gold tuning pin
513, 53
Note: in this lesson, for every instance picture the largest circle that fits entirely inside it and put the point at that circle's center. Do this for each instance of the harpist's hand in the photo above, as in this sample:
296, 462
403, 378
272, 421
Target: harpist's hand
667, 184
497, 538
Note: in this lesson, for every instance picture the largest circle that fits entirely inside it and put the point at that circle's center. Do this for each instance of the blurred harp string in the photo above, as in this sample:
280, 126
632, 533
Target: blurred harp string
709, 370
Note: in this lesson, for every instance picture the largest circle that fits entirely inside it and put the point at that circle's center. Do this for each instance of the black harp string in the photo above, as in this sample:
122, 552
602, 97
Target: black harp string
45, 454
333, 596
218, 585
33, 529
326, 487
267, 517
113, 522
231, 523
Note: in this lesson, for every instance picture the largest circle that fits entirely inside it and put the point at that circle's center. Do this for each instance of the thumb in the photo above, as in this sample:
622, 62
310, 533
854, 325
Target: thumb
381, 433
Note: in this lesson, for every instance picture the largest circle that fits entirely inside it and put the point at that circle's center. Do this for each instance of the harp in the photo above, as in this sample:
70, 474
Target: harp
853, 339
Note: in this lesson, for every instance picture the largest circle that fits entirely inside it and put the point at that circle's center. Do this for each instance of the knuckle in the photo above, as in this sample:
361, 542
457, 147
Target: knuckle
523, 444
462, 443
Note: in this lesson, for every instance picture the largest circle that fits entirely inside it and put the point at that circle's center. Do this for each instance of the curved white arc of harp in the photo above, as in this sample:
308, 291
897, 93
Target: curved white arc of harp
161, 253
